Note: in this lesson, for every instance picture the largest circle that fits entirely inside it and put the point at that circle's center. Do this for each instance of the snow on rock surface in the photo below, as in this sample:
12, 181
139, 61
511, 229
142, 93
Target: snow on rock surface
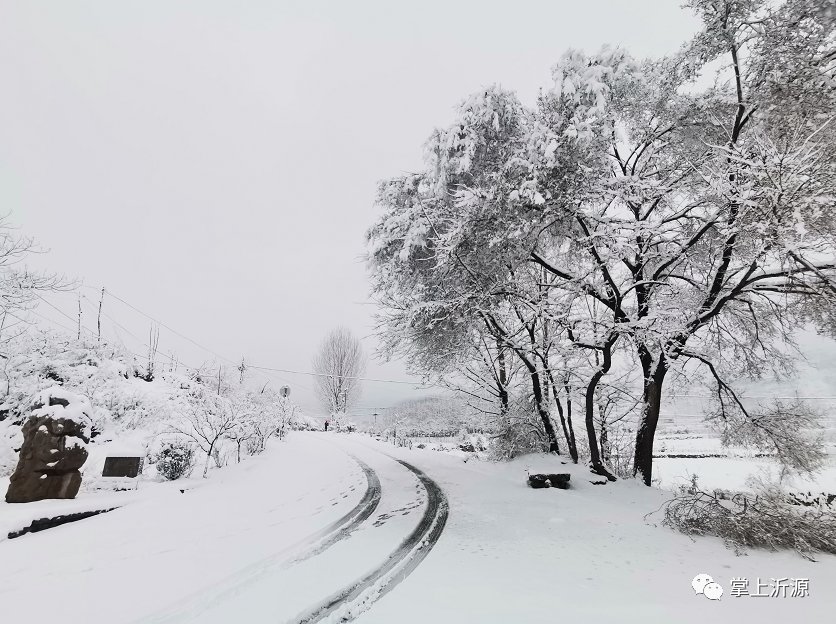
54, 448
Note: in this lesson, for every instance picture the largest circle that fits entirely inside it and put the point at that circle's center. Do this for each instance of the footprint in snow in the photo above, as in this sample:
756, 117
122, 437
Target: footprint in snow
381, 519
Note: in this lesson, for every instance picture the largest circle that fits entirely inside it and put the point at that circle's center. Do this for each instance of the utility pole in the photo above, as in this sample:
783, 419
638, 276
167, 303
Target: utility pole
99, 321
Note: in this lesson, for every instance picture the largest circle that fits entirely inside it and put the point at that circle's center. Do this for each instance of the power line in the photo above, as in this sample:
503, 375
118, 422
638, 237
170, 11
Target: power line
71, 330
311, 374
171, 360
112, 320
135, 337
360, 407
59, 310
184, 337
745, 396
92, 333
173, 331
116, 323
254, 366
19, 321
53, 321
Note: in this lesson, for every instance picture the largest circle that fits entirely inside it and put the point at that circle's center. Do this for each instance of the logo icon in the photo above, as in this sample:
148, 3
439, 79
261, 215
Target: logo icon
705, 585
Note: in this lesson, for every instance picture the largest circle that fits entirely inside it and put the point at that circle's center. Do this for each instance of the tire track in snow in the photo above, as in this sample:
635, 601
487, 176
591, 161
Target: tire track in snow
311, 546
351, 601
353, 519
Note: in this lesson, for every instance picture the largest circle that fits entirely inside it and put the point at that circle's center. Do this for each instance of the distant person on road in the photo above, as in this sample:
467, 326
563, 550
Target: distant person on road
326, 425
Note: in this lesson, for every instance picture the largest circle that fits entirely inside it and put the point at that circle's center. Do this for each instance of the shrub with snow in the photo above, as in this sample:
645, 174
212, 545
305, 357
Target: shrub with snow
174, 460
764, 519
518, 432
472, 442
124, 405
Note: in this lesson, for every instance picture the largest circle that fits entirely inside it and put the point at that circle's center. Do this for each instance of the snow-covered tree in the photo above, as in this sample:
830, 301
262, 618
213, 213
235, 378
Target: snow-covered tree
246, 420
671, 223
207, 417
20, 287
287, 415
338, 365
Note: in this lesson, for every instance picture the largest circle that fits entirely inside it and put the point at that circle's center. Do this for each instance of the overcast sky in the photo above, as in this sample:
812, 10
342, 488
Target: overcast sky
214, 163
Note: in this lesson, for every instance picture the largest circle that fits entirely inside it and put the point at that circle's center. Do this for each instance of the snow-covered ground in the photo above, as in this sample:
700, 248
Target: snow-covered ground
731, 473
271, 539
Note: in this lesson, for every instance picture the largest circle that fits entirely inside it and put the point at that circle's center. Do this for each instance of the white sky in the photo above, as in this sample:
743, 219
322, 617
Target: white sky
214, 162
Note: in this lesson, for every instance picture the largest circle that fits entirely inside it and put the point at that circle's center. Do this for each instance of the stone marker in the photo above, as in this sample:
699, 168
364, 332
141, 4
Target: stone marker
130, 467
53, 449
560, 481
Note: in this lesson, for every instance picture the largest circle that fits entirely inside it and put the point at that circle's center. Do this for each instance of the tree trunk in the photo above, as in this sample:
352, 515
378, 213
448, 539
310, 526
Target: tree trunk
537, 389
603, 440
503, 402
567, 432
502, 386
646, 432
595, 463
573, 445
208, 457
543, 412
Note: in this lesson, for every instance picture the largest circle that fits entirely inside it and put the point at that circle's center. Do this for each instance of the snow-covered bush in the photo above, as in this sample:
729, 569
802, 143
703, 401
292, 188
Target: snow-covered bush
174, 460
97, 370
205, 420
124, 404
246, 414
472, 442
518, 431
764, 519
261, 426
284, 413
302, 422
100, 371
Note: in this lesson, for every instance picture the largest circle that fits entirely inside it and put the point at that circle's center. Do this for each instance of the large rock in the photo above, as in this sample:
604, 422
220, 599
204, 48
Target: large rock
53, 448
560, 481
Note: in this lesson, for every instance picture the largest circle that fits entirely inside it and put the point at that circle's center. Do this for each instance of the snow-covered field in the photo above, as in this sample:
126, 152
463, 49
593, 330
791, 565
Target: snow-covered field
686, 446
731, 473
272, 538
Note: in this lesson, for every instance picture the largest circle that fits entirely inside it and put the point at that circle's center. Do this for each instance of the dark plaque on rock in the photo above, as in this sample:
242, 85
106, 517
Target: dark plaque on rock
129, 467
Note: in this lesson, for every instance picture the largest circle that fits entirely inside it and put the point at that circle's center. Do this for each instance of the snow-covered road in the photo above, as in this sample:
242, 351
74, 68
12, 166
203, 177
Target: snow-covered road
343, 569
316, 528
324, 526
